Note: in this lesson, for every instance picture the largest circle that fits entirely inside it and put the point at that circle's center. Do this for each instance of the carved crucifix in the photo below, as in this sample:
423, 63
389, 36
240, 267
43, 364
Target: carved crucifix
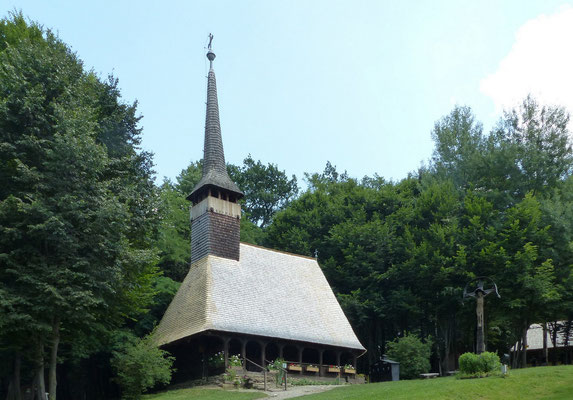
479, 288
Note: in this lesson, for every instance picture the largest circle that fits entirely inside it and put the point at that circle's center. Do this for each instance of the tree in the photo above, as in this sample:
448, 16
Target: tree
398, 255
527, 279
140, 365
76, 200
412, 354
267, 189
458, 141
174, 233
544, 153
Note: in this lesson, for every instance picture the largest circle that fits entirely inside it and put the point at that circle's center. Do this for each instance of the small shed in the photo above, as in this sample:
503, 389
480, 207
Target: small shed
385, 370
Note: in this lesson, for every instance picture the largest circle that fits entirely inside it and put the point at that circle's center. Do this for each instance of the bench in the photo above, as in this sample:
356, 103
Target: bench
430, 375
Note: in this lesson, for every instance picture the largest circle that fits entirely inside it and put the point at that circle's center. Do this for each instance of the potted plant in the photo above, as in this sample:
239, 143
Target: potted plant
334, 368
349, 369
311, 368
294, 367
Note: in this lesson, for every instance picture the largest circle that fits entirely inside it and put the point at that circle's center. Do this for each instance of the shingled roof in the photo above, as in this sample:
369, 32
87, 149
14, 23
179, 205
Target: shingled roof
214, 167
267, 293
535, 338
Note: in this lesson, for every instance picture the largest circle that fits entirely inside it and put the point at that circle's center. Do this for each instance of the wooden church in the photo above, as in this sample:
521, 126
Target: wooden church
241, 299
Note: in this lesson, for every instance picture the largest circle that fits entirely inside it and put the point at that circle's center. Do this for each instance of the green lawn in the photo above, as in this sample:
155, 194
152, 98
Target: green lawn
205, 394
531, 383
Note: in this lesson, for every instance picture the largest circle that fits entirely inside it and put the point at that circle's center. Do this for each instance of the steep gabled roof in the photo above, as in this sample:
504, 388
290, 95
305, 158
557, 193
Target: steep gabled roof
214, 167
535, 338
267, 293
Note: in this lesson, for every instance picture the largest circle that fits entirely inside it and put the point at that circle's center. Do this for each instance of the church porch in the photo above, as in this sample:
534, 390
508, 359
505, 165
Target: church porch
211, 353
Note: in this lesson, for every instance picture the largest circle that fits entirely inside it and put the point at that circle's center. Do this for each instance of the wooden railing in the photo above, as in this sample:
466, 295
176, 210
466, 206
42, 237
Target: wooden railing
285, 372
265, 372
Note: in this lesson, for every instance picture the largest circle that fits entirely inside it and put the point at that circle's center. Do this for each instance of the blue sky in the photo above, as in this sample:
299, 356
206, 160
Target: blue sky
358, 83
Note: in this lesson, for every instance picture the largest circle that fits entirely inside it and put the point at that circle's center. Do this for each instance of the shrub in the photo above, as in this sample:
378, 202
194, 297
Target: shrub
412, 354
139, 365
469, 364
489, 362
217, 360
235, 361
485, 363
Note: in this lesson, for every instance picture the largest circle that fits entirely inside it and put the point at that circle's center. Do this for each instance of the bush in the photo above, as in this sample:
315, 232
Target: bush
412, 354
485, 363
469, 364
139, 365
489, 362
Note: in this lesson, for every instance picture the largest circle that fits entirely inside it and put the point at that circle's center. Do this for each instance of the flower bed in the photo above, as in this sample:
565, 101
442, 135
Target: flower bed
294, 367
311, 368
349, 369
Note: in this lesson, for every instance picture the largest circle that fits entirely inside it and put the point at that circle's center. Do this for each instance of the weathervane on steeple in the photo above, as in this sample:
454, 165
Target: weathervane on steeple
210, 54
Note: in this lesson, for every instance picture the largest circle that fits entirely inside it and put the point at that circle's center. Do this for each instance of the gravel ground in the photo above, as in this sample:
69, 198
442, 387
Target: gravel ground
297, 391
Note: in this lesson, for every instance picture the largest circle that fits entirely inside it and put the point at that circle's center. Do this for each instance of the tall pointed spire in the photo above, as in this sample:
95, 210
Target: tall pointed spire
214, 167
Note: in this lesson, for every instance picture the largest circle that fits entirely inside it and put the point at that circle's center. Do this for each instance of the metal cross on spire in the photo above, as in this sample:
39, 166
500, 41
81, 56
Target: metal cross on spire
210, 54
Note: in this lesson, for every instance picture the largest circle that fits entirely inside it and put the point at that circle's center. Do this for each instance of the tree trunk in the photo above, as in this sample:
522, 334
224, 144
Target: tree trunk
54, 358
39, 383
524, 351
439, 353
554, 340
567, 336
516, 354
447, 329
545, 351
447, 344
14, 391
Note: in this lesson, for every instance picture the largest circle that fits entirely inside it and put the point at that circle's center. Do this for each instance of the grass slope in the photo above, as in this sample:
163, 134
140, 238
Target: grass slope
553, 383
531, 383
204, 394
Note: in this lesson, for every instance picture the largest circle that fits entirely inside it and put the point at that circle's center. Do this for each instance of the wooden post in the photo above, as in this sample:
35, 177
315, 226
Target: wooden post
263, 354
265, 378
203, 352
338, 363
354, 360
244, 353
300, 350
281, 347
320, 361
226, 341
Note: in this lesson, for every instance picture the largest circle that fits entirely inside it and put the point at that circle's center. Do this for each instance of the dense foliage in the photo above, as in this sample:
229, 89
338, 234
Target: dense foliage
140, 365
483, 364
76, 206
412, 354
398, 254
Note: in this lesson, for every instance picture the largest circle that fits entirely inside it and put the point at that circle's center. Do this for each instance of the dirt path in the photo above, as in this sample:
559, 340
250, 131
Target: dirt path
297, 391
